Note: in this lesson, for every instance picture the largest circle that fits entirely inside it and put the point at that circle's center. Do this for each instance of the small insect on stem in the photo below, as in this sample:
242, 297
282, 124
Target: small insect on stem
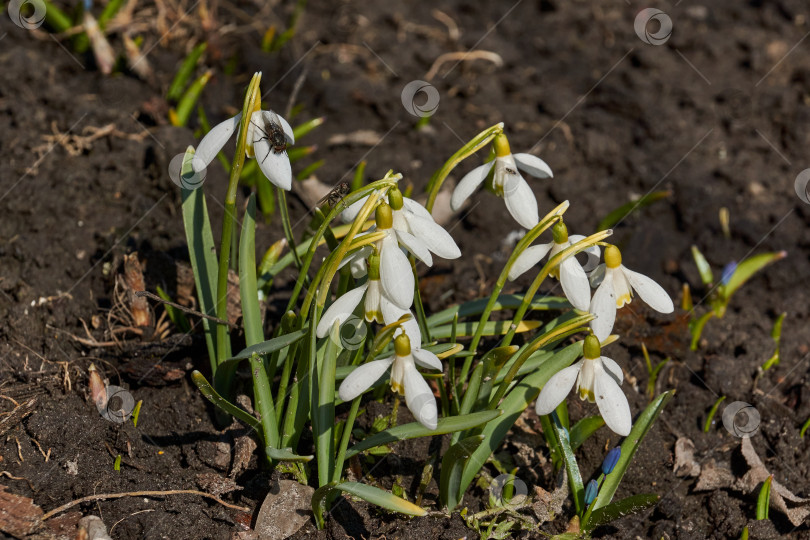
273, 133
335, 196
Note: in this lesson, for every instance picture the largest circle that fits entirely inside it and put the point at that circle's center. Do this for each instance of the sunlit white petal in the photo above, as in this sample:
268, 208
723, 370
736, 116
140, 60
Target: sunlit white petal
520, 201
651, 292
530, 257
340, 310
613, 369
603, 305
433, 236
350, 213
575, 284
419, 397
427, 359
213, 142
392, 313
362, 378
415, 246
612, 402
533, 165
274, 165
416, 208
469, 184
557, 387
395, 273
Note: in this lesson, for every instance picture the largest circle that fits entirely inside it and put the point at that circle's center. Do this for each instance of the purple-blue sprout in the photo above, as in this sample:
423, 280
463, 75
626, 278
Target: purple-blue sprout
611, 459
590, 492
728, 271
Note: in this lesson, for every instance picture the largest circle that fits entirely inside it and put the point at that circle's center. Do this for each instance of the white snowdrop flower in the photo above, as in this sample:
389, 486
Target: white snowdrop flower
396, 274
414, 227
267, 139
377, 307
598, 380
616, 290
570, 272
405, 379
506, 182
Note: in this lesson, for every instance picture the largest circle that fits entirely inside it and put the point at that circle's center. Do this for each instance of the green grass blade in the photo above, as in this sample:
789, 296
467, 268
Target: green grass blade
746, 269
177, 317
203, 256
211, 395
185, 72
584, 429
285, 454
504, 301
324, 409
491, 328
271, 345
189, 99
415, 430
452, 467
252, 321
764, 499
570, 461
705, 271
368, 493
629, 447
513, 405
624, 507
617, 215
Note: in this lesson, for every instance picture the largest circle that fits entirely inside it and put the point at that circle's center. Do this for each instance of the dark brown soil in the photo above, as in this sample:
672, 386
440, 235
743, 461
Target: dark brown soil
718, 115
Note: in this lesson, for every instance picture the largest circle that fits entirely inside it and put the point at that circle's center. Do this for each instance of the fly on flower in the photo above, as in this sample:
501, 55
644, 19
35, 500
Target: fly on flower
506, 182
268, 135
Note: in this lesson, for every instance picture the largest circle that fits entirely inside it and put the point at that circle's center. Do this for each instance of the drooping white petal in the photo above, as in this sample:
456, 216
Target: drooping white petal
593, 252
357, 261
362, 378
415, 246
392, 313
395, 273
612, 402
213, 142
603, 305
372, 307
274, 165
433, 236
557, 387
575, 284
530, 257
416, 208
533, 165
419, 397
340, 310
350, 213
651, 292
426, 359
613, 369
469, 184
520, 201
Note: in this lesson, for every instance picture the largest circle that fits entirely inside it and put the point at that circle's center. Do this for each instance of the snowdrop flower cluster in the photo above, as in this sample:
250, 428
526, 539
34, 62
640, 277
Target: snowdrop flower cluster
389, 294
506, 182
268, 135
405, 379
598, 379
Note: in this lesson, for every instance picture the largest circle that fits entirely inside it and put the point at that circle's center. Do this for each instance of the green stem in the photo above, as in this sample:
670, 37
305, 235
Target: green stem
344, 441
288, 232
477, 142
